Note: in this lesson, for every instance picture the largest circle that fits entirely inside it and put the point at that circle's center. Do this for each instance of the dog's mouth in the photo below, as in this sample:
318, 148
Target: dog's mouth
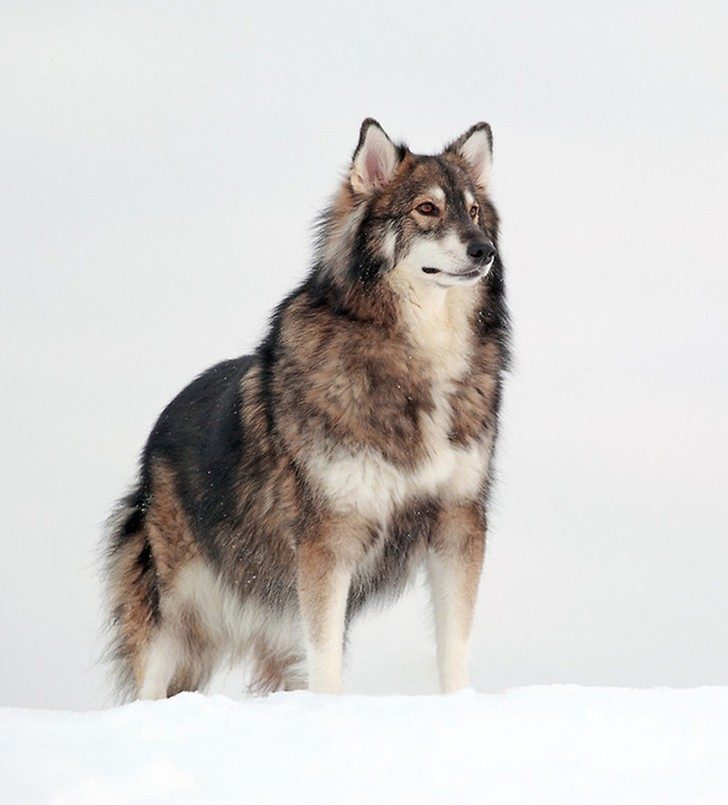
459, 275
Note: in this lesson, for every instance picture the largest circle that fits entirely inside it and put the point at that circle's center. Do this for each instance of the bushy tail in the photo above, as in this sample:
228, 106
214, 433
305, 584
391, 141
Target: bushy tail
131, 591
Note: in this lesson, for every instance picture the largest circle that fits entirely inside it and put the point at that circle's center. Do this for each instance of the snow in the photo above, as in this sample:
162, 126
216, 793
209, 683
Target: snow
540, 744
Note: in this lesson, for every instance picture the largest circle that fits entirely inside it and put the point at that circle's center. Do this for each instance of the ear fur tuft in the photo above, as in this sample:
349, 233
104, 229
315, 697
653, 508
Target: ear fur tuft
375, 159
476, 148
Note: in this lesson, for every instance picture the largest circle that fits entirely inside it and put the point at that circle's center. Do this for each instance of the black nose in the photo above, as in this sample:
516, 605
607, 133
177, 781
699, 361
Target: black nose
481, 250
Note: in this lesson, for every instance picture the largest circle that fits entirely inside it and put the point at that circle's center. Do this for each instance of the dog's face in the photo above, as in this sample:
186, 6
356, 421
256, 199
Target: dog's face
429, 216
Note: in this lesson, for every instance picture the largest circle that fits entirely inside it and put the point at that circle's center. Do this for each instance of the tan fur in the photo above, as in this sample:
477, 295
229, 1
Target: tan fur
274, 670
168, 530
455, 564
129, 593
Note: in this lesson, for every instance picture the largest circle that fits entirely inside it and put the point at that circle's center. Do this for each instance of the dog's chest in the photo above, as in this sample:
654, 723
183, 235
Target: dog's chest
366, 482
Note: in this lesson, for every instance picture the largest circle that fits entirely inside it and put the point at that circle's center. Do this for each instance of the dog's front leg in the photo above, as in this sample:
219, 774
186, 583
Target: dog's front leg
324, 578
455, 561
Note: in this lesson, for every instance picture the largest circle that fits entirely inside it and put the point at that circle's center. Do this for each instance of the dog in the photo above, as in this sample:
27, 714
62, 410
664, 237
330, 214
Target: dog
282, 492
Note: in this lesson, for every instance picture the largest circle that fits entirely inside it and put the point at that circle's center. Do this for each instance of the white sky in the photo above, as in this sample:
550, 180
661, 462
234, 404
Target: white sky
161, 167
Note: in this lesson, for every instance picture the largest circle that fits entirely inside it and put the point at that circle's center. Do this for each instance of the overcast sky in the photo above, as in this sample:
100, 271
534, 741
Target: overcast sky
161, 166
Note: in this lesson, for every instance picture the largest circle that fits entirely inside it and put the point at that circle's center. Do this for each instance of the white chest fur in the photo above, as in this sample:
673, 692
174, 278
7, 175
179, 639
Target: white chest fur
367, 483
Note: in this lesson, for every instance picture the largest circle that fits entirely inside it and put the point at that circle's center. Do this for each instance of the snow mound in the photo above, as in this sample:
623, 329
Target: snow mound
541, 744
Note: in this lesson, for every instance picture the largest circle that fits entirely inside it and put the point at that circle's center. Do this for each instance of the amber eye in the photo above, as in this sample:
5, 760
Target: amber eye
474, 211
427, 208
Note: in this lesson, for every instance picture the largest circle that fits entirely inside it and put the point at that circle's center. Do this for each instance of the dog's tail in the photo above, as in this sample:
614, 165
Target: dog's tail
131, 590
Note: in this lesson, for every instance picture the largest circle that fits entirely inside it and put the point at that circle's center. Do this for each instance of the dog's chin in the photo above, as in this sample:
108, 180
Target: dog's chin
452, 279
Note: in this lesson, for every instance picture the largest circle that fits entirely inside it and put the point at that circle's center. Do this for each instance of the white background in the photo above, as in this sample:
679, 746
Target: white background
160, 165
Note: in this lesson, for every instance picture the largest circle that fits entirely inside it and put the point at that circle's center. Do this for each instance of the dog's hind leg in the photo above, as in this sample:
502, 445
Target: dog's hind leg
178, 658
276, 669
160, 642
160, 666
199, 653
295, 677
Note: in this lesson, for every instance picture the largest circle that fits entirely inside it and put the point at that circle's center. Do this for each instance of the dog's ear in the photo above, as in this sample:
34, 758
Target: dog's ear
476, 148
375, 159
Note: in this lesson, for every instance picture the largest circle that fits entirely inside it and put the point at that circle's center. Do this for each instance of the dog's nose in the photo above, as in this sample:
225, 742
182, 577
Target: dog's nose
481, 250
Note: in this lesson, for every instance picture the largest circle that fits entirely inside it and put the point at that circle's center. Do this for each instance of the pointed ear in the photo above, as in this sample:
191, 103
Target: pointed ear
476, 148
375, 160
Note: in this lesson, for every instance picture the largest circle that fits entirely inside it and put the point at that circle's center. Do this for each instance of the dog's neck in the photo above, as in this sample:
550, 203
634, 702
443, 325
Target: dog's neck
438, 321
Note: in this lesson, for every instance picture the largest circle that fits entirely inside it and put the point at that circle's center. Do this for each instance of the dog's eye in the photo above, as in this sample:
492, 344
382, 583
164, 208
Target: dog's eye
427, 208
474, 211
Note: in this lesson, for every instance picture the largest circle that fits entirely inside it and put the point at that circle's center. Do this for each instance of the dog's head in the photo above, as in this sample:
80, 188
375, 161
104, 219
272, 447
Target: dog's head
425, 218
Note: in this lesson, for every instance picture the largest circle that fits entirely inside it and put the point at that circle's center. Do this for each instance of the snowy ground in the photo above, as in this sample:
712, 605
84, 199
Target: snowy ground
540, 744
